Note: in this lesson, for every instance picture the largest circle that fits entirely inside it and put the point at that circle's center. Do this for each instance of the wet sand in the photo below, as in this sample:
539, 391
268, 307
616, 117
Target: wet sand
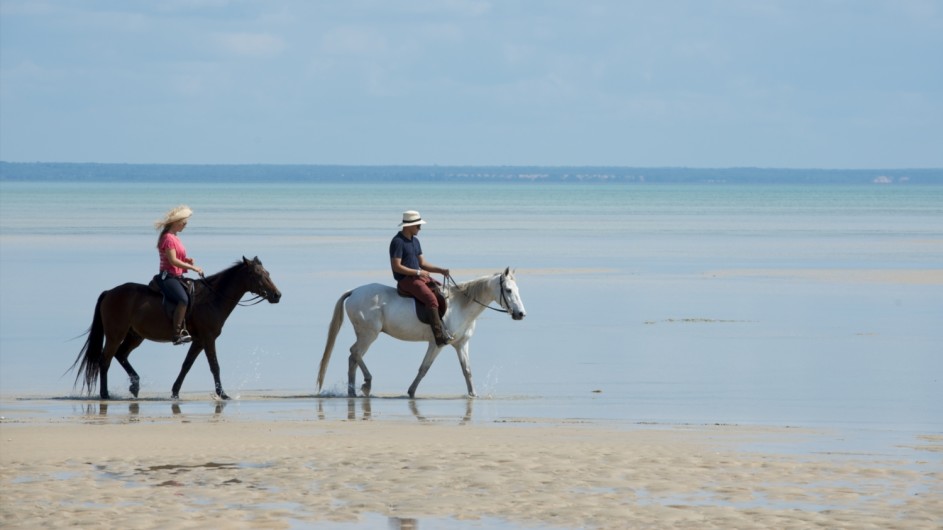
287, 464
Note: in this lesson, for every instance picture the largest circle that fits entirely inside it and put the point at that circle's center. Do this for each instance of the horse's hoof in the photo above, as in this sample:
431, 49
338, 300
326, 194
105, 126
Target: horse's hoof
366, 390
134, 389
175, 396
223, 396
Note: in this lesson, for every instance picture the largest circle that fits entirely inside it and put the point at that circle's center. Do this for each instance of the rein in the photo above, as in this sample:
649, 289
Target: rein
504, 301
250, 302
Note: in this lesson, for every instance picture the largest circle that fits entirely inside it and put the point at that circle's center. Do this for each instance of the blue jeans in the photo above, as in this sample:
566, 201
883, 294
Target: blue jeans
173, 289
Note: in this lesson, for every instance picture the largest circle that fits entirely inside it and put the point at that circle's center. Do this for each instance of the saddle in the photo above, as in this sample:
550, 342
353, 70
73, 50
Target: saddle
421, 309
169, 307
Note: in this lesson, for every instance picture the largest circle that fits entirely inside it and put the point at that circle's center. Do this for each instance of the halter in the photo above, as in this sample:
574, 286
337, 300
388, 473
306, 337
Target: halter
504, 301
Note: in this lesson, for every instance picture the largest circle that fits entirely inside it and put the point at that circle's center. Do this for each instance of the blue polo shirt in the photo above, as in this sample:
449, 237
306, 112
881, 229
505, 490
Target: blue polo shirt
407, 250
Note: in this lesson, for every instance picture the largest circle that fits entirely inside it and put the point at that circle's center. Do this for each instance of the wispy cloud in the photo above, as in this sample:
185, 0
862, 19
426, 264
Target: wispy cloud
250, 44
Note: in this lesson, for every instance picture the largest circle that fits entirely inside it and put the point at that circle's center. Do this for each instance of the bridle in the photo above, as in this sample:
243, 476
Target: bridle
257, 299
505, 303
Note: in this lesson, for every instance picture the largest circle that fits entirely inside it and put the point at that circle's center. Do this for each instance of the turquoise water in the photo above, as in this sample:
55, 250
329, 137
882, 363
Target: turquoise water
645, 302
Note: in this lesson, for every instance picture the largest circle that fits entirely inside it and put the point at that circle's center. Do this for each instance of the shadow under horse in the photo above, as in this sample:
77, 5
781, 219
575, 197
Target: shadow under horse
130, 313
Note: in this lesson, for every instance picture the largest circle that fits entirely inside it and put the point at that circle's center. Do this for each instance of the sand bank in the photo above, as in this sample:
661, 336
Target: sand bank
886, 276
222, 471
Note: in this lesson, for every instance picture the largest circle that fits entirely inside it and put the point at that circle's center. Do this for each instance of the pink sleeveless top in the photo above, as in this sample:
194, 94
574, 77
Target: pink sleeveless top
169, 241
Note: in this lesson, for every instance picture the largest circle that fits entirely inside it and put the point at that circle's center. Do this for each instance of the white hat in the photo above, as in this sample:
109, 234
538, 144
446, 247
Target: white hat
411, 218
176, 214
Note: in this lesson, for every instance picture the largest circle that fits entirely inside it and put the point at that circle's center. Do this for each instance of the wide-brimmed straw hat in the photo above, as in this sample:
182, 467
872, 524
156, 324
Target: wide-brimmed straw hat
411, 218
177, 214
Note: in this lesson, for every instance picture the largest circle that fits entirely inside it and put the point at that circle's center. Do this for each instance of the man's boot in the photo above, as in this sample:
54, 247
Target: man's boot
442, 336
180, 331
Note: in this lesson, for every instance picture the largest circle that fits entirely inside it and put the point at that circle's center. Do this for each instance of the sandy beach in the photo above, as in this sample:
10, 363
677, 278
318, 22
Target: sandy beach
290, 470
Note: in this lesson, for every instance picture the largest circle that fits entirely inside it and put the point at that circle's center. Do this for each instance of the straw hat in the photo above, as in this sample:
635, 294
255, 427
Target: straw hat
177, 214
411, 218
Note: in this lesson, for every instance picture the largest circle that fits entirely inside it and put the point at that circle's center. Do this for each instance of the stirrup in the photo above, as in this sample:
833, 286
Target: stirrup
445, 339
182, 337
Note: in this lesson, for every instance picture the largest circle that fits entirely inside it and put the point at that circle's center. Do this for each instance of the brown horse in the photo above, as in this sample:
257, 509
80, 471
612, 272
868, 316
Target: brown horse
132, 312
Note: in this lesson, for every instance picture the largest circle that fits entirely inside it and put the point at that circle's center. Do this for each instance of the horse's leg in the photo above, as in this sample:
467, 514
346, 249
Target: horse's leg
103, 366
431, 354
357, 351
214, 368
108, 353
462, 348
195, 348
367, 378
131, 341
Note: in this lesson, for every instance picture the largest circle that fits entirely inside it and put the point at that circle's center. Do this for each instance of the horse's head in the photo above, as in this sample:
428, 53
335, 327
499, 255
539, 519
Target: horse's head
260, 282
510, 297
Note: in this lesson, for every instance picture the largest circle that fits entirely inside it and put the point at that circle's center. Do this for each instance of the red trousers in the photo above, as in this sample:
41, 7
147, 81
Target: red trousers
420, 288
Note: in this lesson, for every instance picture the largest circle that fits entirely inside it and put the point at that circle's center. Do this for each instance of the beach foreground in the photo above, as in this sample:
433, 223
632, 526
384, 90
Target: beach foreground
271, 471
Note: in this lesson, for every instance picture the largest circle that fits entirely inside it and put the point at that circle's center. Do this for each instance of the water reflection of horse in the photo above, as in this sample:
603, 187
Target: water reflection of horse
414, 408
366, 409
130, 313
377, 308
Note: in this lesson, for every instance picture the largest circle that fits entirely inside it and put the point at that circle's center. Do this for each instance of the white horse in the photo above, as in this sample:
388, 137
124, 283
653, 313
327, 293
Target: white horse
376, 308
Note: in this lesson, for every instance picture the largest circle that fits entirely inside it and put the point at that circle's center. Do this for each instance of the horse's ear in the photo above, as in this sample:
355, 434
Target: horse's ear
507, 271
245, 261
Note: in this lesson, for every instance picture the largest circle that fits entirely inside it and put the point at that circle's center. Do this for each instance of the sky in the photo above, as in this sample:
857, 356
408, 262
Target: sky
674, 83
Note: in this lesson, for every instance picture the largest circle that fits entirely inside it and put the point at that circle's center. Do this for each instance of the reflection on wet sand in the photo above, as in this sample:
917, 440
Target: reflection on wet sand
217, 410
414, 408
357, 409
366, 411
352, 408
97, 412
100, 410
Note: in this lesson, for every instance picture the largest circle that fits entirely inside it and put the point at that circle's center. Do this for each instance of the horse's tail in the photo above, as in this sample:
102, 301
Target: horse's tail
332, 330
89, 359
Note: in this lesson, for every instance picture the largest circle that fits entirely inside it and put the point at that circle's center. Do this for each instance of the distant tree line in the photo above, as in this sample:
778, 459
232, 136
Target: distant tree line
92, 172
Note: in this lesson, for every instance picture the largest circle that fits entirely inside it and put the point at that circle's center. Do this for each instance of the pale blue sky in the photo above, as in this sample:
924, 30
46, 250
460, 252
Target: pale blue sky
697, 83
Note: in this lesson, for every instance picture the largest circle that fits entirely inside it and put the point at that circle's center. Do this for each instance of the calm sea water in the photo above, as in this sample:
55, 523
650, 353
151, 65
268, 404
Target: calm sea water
677, 303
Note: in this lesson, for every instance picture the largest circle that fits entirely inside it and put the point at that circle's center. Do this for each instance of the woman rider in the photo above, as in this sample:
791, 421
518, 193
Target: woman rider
174, 263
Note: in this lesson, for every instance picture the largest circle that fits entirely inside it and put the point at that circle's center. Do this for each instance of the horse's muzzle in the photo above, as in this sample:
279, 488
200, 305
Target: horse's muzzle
274, 297
518, 315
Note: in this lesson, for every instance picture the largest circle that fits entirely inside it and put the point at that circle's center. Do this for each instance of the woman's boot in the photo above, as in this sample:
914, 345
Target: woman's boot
180, 331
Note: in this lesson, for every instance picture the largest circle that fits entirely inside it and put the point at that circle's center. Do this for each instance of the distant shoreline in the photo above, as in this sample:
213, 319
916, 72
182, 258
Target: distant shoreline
98, 172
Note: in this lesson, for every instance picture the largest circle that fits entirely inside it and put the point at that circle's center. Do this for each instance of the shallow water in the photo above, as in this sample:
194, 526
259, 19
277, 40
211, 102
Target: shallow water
833, 437
666, 303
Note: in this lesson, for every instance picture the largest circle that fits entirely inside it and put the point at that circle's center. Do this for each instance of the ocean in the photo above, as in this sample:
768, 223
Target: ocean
802, 304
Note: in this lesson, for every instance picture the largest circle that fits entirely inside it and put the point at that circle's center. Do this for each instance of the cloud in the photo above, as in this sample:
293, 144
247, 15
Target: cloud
250, 44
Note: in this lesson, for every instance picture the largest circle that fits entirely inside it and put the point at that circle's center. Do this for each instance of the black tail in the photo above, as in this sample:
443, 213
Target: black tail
89, 359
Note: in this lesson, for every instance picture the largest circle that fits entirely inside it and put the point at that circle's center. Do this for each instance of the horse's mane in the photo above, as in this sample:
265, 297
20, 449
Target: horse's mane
474, 289
225, 272
214, 280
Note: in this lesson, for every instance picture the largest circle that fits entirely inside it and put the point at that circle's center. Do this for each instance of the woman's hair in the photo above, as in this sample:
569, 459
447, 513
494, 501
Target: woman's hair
161, 236
174, 215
